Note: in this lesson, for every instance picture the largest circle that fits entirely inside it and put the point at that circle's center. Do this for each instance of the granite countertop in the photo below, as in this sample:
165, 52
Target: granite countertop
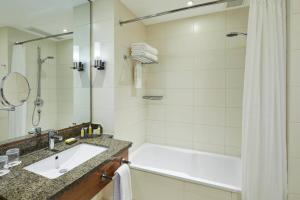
22, 184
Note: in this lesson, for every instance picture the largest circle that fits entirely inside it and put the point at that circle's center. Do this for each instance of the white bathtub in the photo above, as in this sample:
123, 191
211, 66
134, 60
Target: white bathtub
207, 169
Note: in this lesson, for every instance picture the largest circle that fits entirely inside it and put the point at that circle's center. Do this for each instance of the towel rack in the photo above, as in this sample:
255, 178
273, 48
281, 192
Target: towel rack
105, 177
144, 60
141, 59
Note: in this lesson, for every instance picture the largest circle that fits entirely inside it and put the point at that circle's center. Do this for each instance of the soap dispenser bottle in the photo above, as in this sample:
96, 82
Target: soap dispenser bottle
90, 131
82, 133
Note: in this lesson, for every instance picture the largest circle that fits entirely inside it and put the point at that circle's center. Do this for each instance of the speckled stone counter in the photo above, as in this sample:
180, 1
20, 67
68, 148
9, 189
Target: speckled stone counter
25, 185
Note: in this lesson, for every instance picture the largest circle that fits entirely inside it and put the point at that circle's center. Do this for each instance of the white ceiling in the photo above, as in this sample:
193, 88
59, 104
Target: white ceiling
147, 7
51, 16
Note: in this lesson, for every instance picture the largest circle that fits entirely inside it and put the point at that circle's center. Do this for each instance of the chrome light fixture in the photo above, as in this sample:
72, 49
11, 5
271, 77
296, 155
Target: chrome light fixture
77, 65
99, 63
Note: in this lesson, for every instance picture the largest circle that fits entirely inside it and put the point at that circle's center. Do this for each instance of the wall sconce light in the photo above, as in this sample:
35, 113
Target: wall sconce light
99, 62
77, 65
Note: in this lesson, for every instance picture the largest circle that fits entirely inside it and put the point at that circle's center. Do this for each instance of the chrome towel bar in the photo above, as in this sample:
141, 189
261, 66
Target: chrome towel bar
105, 177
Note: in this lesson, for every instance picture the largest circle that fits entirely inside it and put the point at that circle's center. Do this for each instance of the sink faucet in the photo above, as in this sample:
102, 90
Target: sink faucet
36, 131
52, 137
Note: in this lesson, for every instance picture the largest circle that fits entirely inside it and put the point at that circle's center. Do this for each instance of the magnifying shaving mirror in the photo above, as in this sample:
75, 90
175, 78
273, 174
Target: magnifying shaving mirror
14, 90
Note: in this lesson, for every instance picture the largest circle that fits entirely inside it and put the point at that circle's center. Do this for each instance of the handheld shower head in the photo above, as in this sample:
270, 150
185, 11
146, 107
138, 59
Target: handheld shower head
47, 58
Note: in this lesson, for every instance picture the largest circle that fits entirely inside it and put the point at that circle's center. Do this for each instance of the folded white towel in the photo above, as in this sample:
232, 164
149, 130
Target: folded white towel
122, 184
142, 59
145, 55
144, 47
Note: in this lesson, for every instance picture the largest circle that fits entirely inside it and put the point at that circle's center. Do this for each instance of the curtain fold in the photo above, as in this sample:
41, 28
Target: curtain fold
264, 106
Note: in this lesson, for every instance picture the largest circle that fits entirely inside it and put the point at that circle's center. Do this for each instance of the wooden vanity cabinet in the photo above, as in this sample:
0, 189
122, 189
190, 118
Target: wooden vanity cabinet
87, 188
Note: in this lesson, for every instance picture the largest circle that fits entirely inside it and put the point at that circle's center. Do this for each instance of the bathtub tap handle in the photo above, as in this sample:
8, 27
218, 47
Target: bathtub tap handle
124, 161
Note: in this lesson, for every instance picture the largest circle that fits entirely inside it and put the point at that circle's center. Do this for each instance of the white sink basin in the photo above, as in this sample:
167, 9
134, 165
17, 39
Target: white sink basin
58, 164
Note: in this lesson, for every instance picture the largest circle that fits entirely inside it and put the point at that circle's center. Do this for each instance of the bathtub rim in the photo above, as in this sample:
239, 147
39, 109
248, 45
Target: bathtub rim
185, 177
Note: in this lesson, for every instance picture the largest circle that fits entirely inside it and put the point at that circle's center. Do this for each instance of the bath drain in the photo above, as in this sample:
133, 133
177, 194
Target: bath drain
62, 171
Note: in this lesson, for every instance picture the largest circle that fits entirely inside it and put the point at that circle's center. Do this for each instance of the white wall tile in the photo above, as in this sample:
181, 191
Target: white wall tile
210, 97
209, 79
182, 114
209, 134
155, 128
179, 131
180, 79
201, 75
179, 97
209, 115
234, 117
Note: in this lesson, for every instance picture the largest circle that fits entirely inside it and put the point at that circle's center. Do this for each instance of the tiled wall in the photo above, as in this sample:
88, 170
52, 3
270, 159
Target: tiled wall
130, 109
117, 105
200, 75
293, 99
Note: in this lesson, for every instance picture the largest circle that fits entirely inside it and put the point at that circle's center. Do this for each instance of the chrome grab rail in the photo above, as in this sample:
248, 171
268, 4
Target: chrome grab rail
105, 177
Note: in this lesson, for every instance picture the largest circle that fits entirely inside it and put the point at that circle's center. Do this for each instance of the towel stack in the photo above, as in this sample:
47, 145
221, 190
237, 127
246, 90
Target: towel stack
144, 53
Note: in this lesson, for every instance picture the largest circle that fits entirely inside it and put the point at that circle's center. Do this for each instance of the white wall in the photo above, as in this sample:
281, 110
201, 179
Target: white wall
64, 78
57, 79
3, 71
81, 80
200, 75
48, 48
130, 108
117, 105
103, 81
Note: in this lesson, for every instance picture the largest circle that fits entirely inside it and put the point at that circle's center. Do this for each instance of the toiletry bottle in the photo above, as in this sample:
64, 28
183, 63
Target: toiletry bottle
101, 129
82, 133
85, 132
90, 131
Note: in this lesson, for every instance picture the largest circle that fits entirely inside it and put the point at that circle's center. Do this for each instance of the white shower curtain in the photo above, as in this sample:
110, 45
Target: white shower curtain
264, 109
17, 119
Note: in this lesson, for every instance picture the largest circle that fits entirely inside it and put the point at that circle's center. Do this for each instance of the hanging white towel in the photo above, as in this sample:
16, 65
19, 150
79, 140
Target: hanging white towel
122, 184
144, 47
17, 119
138, 75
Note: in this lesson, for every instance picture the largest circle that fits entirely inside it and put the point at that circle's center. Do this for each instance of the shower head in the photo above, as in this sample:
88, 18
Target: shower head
47, 58
234, 34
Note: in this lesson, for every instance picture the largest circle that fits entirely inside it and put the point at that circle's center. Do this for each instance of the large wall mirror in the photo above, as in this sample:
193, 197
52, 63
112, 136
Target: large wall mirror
44, 65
